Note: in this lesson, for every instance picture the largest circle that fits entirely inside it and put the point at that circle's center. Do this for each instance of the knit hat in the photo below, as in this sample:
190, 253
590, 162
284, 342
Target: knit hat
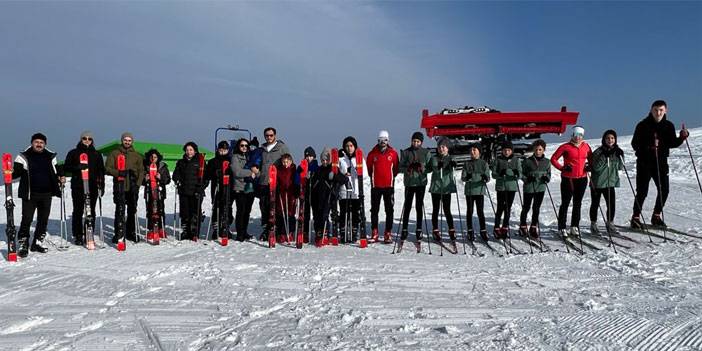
507, 145
326, 154
442, 141
418, 136
39, 136
578, 131
477, 145
352, 140
309, 151
223, 145
191, 143
86, 134
127, 135
609, 132
384, 135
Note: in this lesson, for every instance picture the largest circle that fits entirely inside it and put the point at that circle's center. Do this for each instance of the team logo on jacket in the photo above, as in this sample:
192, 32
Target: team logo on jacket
389, 158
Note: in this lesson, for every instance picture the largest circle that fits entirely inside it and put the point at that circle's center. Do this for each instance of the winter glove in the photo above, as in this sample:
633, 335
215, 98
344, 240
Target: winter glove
588, 168
684, 134
453, 164
469, 176
545, 179
531, 179
567, 168
618, 152
484, 177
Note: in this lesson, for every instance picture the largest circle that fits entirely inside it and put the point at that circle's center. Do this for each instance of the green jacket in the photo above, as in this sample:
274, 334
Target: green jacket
134, 165
473, 171
512, 171
537, 168
413, 163
442, 181
605, 168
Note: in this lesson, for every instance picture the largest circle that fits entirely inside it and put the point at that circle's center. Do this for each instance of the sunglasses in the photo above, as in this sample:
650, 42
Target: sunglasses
127, 140
86, 138
243, 145
269, 135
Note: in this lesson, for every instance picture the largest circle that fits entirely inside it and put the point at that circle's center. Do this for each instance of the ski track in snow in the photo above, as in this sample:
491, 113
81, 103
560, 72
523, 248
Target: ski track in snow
191, 296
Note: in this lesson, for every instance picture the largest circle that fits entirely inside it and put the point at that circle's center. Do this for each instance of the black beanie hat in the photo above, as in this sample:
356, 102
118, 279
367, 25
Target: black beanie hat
608, 132
507, 145
223, 145
39, 136
418, 135
191, 143
309, 151
352, 140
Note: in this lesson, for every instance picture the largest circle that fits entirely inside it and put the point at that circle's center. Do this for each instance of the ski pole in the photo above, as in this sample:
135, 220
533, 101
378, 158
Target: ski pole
460, 220
494, 213
692, 159
565, 243
176, 232
660, 184
636, 200
426, 227
102, 234
402, 216
521, 205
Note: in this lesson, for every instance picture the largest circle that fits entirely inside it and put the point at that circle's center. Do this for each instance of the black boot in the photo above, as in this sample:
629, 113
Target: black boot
38, 245
657, 220
23, 247
78, 241
471, 235
636, 223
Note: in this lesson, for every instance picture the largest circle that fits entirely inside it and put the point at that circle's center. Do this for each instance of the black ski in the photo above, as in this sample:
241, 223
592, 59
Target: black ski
89, 222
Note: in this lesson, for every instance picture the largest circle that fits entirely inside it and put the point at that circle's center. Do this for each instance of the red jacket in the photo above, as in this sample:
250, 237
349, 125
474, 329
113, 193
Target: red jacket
574, 156
382, 167
287, 189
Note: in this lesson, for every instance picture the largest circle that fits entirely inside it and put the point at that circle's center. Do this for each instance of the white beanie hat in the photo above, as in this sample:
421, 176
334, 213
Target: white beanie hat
578, 131
384, 135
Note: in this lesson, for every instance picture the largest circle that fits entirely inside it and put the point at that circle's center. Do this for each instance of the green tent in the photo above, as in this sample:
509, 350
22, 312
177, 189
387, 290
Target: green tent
171, 152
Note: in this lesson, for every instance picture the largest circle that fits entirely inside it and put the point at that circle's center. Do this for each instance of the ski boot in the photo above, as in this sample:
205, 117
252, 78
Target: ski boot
636, 223
483, 234
523, 231
291, 237
593, 228
374, 235
471, 235
387, 237
78, 241
418, 246
564, 233
452, 234
404, 234
657, 220
437, 236
534, 232
575, 232
319, 242
611, 228
334, 241
38, 245
23, 247
500, 233
399, 246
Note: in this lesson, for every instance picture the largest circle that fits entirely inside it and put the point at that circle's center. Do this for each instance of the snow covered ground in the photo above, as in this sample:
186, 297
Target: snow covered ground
192, 296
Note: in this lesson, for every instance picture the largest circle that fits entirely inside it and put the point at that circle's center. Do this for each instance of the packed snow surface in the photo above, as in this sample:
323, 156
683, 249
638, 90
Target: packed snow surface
202, 296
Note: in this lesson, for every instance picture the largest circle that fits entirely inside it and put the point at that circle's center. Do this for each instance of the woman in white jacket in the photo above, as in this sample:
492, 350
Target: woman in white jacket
349, 203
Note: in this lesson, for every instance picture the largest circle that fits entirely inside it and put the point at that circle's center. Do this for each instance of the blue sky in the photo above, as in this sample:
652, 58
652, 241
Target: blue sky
319, 71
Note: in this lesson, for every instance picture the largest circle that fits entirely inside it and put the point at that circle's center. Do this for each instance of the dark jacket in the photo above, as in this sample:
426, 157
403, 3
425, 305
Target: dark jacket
213, 172
134, 167
186, 178
162, 170
325, 189
96, 168
413, 162
271, 157
39, 168
645, 134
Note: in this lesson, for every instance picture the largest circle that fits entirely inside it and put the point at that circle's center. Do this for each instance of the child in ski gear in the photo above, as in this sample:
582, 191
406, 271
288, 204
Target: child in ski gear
163, 177
243, 178
40, 180
653, 138
312, 166
191, 190
349, 204
96, 182
475, 174
213, 176
287, 193
576, 154
382, 168
271, 151
506, 170
413, 163
325, 193
441, 188
607, 161
536, 173
134, 177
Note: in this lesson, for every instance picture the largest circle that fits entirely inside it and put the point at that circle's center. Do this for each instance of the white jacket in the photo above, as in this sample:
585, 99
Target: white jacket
348, 165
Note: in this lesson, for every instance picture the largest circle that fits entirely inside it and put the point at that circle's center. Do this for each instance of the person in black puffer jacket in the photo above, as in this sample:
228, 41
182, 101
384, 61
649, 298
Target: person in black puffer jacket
163, 178
653, 138
96, 182
191, 190
213, 176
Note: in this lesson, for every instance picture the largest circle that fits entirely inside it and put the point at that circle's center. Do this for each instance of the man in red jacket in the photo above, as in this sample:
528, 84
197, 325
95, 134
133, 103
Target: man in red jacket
383, 164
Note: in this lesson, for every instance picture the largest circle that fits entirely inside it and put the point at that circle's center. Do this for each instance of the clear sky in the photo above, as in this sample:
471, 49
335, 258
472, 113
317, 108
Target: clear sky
318, 71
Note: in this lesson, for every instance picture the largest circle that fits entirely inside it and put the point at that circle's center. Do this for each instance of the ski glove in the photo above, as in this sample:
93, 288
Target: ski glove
567, 168
618, 152
453, 164
469, 176
484, 177
545, 179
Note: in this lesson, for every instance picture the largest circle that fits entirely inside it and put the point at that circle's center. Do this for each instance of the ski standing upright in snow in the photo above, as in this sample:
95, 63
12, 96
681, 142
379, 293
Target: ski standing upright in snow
89, 221
10, 230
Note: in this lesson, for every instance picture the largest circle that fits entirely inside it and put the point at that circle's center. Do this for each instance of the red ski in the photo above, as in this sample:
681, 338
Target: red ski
334, 211
154, 236
363, 243
224, 211
300, 240
89, 222
122, 173
199, 195
272, 181
10, 230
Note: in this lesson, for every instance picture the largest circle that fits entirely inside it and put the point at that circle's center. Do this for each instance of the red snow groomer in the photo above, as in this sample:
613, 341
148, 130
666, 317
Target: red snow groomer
464, 126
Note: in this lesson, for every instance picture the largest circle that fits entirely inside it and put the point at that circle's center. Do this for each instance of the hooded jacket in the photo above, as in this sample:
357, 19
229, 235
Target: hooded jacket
347, 164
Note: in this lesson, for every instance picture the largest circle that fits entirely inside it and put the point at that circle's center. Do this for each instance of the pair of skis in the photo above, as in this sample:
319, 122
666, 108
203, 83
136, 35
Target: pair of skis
156, 232
10, 230
273, 191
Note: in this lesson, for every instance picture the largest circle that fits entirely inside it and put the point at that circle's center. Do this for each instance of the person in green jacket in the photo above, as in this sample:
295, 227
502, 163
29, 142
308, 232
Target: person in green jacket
506, 171
606, 164
134, 169
441, 188
476, 174
536, 173
413, 163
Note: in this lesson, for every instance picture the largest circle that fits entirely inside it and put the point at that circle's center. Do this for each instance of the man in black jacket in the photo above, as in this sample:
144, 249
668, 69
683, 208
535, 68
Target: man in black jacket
96, 181
39, 181
653, 138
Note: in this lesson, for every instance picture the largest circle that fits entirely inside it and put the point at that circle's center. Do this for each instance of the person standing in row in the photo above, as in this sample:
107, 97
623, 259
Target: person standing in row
383, 165
506, 170
475, 174
271, 152
243, 188
213, 177
536, 173
163, 178
413, 164
606, 164
191, 190
442, 186
134, 167
349, 203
